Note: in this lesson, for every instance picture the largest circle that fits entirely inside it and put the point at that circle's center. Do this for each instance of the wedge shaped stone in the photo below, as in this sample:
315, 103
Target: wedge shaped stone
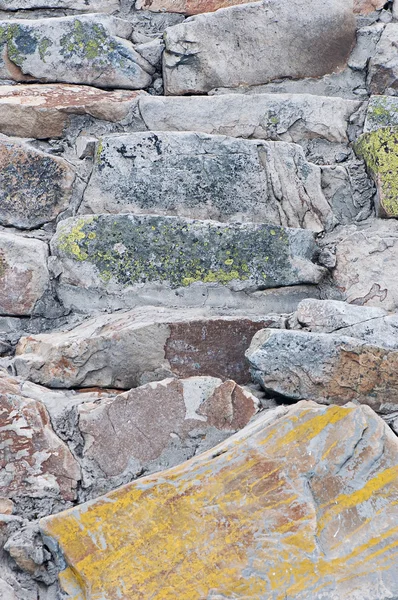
300, 504
331, 368
383, 66
34, 186
207, 177
24, 276
35, 463
126, 350
88, 49
80, 5
141, 258
159, 425
42, 111
259, 43
261, 116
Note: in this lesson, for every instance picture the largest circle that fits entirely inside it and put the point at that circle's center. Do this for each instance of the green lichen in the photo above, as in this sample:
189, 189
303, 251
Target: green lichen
44, 44
382, 112
90, 42
379, 149
134, 249
70, 240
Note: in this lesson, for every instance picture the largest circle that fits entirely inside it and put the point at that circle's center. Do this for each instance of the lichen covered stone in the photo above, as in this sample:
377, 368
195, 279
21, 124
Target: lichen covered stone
127, 250
380, 151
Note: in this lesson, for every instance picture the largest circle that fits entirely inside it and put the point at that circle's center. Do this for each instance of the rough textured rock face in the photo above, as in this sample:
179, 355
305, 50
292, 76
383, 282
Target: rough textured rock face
309, 41
34, 187
321, 481
87, 50
201, 176
42, 111
80, 5
129, 349
35, 464
287, 117
366, 262
187, 7
122, 255
383, 68
24, 277
159, 425
331, 368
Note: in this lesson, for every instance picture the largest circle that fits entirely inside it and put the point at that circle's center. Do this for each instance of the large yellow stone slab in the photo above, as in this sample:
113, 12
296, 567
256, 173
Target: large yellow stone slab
302, 504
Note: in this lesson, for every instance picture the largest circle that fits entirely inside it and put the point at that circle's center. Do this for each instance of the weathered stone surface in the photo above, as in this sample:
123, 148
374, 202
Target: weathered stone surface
383, 67
35, 463
42, 111
207, 177
260, 43
330, 368
380, 152
129, 349
366, 264
88, 49
327, 316
300, 504
23, 274
140, 258
367, 323
364, 7
286, 117
159, 425
382, 112
80, 5
34, 186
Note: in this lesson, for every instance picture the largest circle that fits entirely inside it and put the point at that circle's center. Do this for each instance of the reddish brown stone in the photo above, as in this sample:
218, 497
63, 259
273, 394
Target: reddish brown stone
187, 7
34, 462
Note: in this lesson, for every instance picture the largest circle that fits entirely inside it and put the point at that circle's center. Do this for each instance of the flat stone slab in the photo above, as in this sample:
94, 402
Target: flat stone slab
207, 177
126, 350
331, 368
80, 5
36, 466
259, 43
159, 425
42, 111
260, 116
24, 276
143, 257
301, 503
89, 49
35, 187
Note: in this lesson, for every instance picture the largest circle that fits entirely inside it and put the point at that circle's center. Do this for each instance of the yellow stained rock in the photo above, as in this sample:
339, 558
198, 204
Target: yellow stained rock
302, 504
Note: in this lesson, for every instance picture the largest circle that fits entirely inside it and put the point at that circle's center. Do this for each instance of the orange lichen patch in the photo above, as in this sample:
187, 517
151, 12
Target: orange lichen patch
241, 520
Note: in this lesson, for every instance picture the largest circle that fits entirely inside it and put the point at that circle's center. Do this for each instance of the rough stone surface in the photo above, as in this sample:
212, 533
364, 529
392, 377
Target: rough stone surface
187, 7
35, 464
24, 277
88, 49
331, 368
34, 186
383, 67
80, 5
364, 7
367, 323
260, 43
129, 349
207, 177
139, 258
42, 111
159, 425
299, 504
382, 112
286, 117
366, 263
